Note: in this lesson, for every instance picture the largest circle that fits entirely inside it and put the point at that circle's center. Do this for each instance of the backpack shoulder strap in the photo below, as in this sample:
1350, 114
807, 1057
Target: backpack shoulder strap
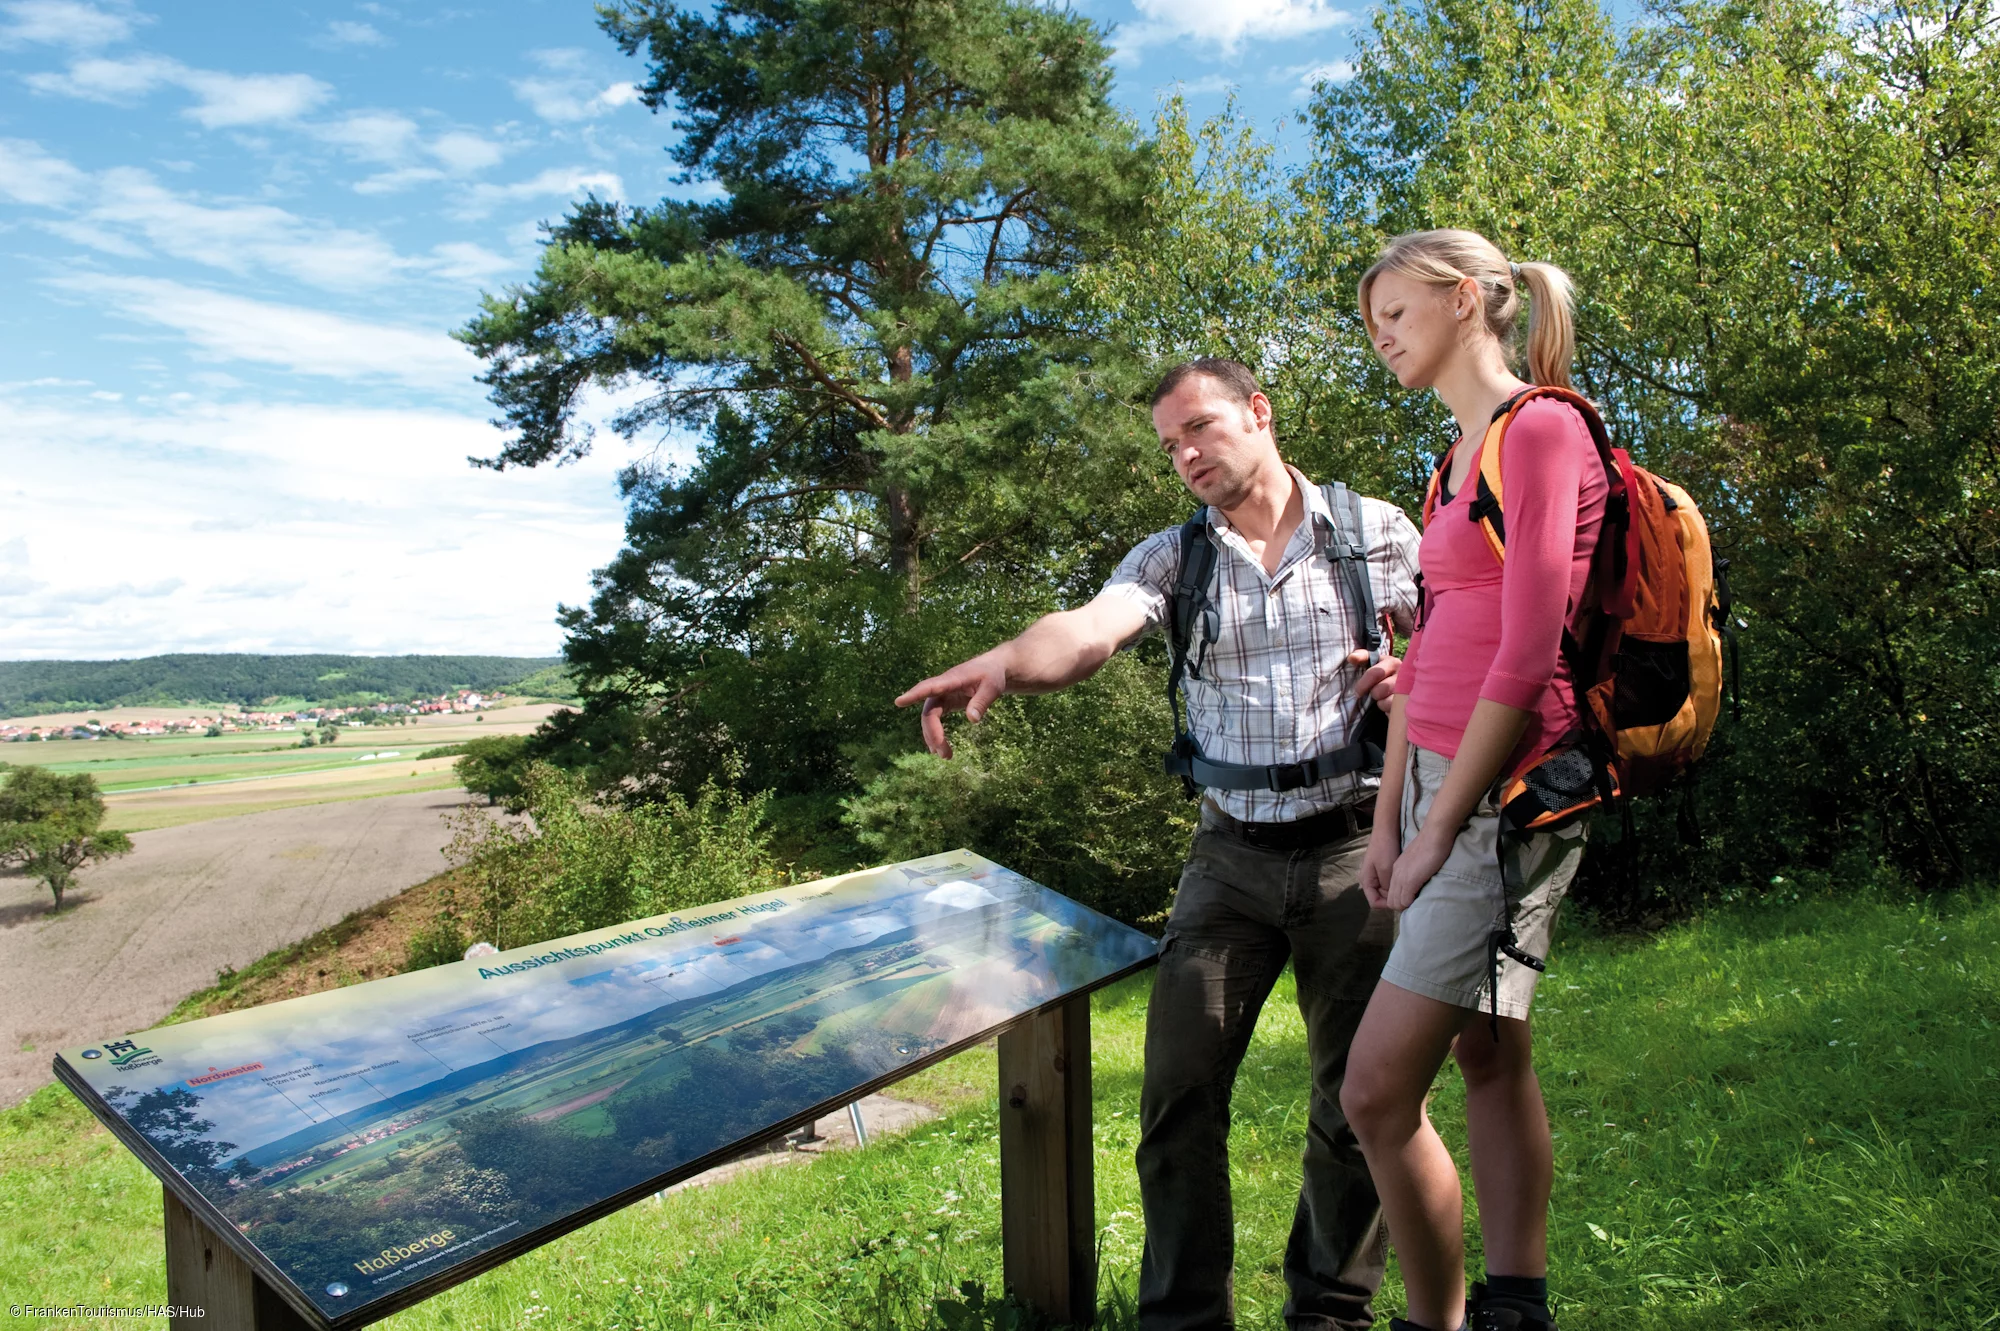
1489, 499
1345, 546
1189, 606
1192, 611
1436, 484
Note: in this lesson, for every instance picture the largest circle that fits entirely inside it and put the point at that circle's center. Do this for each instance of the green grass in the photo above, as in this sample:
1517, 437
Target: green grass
1779, 1117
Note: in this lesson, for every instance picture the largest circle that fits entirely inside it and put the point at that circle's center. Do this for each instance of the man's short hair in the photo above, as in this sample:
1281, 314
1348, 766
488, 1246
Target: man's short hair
1232, 376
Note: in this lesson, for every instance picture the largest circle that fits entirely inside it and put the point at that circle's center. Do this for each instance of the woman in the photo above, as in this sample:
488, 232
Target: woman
1484, 693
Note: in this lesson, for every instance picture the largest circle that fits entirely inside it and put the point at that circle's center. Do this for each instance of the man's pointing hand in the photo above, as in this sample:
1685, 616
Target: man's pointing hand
970, 688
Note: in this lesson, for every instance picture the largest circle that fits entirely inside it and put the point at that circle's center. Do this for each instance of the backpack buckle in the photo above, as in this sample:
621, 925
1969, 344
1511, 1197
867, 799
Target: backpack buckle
1281, 777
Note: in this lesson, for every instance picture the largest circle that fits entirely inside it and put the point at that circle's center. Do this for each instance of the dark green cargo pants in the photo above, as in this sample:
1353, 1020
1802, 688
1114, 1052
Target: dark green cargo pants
1241, 913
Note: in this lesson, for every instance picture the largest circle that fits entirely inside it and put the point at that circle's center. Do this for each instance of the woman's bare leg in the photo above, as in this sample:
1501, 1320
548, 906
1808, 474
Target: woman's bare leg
1397, 1052
1507, 1128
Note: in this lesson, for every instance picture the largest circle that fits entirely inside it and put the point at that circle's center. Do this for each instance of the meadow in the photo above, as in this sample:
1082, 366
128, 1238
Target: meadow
1780, 1115
168, 780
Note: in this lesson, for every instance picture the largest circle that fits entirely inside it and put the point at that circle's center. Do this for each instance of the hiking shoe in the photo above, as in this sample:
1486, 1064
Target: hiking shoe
1496, 1312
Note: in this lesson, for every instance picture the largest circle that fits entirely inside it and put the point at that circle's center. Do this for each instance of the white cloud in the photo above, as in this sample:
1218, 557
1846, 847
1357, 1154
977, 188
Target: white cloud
233, 328
567, 91
559, 181
462, 153
240, 237
372, 136
66, 23
222, 101
30, 175
390, 139
462, 261
127, 212
342, 32
1225, 26
365, 536
1311, 76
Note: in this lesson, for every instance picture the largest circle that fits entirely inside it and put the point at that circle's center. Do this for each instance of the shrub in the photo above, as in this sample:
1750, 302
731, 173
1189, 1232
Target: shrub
1066, 788
576, 863
494, 767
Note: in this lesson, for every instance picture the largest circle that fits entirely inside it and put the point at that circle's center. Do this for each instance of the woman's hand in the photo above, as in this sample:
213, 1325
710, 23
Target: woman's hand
1378, 866
1416, 866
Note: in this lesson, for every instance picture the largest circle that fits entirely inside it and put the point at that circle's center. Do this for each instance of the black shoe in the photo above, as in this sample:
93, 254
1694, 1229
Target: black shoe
1496, 1312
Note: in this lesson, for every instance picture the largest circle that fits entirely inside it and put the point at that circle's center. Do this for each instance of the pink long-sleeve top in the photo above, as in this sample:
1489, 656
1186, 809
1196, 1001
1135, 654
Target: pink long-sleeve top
1494, 630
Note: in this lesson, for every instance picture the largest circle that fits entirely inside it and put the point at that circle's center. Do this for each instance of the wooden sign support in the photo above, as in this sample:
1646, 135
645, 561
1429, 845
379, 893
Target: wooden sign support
1048, 1205
988, 952
220, 1289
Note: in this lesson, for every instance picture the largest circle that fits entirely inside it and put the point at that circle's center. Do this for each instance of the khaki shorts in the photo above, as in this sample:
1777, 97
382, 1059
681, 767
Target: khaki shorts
1441, 940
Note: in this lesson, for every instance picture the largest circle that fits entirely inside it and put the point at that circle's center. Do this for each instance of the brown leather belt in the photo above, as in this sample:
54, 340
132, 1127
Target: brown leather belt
1317, 829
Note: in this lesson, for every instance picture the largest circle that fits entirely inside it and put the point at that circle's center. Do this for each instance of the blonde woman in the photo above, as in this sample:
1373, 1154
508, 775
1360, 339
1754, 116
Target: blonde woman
1483, 694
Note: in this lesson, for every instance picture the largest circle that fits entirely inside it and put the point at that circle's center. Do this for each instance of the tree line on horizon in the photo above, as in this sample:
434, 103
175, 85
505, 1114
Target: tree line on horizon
248, 679
917, 325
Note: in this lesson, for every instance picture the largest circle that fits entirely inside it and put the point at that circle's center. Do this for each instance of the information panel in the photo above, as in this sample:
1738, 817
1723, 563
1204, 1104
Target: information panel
366, 1147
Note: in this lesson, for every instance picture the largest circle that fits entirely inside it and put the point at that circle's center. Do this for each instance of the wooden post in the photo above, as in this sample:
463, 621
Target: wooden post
1048, 1204
205, 1273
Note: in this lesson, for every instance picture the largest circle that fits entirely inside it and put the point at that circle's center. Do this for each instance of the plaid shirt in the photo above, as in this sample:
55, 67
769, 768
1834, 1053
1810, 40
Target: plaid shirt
1275, 686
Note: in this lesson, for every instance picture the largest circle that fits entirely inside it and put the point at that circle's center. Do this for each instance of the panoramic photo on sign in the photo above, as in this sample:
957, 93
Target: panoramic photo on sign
368, 1139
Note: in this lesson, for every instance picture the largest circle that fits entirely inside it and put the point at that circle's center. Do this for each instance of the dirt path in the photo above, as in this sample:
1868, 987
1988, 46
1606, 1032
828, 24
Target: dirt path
150, 929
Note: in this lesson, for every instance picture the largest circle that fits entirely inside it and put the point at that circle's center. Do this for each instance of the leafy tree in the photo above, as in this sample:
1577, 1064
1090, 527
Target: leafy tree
49, 826
905, 435
494, 767
1779, 215
167, 1118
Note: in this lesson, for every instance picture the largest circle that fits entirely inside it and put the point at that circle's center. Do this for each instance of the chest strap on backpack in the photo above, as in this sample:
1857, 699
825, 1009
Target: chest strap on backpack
1192, 605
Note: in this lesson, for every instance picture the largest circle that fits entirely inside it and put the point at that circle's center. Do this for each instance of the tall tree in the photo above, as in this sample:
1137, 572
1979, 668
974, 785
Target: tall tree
1779, 214
49, 826
870, 327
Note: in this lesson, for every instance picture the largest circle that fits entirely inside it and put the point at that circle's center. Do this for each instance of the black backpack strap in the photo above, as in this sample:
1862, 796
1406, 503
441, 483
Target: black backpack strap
1346, 548
1190, 607
1361, 755
1193, 609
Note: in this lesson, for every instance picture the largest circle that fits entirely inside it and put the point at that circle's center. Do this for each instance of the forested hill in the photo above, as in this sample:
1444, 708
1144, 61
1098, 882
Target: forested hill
28, 687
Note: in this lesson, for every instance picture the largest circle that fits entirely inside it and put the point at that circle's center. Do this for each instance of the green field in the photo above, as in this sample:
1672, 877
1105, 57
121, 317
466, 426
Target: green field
1783, 1117
166, 780
156, 761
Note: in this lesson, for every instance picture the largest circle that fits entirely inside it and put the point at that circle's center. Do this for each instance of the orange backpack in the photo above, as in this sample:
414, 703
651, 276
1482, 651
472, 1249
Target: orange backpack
1648, 667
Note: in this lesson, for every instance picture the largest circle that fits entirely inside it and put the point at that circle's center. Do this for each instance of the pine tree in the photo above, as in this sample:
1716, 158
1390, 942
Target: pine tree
905, 426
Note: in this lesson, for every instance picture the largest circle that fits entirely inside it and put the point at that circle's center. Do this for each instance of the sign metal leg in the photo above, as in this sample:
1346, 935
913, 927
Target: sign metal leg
205, 1273
1048, 1211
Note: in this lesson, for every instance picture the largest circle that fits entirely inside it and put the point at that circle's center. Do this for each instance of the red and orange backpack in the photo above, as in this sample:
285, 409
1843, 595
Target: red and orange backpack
1648, 665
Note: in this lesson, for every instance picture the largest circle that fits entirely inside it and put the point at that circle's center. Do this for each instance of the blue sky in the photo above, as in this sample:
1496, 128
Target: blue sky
233, 240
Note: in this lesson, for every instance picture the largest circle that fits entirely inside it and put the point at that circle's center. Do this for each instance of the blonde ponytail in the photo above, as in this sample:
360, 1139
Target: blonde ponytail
1551, 323
1447, 257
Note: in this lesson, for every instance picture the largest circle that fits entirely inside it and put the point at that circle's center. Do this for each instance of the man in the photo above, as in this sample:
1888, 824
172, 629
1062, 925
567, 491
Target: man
1273, 873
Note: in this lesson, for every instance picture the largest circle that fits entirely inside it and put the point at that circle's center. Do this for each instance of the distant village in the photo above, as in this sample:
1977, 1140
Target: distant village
245, 720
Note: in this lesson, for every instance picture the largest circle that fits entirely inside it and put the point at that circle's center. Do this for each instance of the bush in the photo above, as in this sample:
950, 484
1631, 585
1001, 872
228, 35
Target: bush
576, 863
442, 940
494, 767
1066, 788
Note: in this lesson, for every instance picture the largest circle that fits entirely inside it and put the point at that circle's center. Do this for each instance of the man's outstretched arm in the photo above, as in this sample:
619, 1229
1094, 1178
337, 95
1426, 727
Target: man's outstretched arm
1052, 653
